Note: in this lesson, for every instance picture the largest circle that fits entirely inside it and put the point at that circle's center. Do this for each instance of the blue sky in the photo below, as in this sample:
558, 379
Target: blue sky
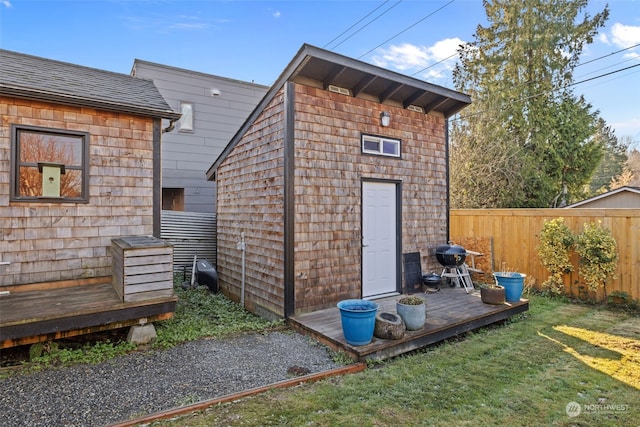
255, 40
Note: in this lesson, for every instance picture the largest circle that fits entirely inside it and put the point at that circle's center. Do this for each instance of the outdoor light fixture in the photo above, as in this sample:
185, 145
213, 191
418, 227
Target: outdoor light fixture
385, 118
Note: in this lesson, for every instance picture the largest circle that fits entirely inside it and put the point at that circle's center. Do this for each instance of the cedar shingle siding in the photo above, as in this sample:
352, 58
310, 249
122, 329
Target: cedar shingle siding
49, 240
251, 200
60, 241
329, 171
292, 180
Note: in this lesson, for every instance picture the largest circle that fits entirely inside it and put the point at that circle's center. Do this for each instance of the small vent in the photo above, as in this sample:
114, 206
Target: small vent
338, 89
415, 108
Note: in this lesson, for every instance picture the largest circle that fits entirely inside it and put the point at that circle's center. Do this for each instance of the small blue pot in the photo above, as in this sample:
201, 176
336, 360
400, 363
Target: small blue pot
358, 319
513, 284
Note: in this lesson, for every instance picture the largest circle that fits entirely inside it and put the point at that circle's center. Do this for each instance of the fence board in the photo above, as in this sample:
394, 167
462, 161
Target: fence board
515, 240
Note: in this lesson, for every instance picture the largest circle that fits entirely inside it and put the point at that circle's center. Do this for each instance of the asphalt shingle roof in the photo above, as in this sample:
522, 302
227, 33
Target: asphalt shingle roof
49, 80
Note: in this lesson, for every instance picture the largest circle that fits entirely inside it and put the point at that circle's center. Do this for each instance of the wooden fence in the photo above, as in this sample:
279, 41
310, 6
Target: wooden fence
514, 239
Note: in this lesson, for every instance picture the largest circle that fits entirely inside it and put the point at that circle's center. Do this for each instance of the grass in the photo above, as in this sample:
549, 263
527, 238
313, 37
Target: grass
201, 314
532, 370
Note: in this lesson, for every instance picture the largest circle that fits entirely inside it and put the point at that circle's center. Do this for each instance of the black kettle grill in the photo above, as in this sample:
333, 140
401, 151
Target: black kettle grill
432, 280
451, 255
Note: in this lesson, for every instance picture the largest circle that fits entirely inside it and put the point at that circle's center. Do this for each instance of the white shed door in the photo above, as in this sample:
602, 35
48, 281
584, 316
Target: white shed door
379, 247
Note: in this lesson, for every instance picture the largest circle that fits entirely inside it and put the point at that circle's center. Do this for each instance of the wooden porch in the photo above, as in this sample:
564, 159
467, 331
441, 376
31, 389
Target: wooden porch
42, 313
450, 312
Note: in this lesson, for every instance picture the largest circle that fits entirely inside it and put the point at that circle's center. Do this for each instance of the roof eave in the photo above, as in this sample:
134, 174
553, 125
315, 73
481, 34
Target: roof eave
58, 98
295, 67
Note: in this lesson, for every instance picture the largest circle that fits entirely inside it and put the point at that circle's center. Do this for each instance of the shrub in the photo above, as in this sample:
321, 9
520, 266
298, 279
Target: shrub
556, 241
598, 255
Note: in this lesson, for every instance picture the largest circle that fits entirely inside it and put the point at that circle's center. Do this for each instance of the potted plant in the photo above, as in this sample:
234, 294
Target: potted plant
358, 318
413, 311
491, 293
512, 282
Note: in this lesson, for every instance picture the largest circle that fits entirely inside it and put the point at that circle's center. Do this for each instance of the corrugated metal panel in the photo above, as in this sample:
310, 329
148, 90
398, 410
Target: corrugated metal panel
191, 233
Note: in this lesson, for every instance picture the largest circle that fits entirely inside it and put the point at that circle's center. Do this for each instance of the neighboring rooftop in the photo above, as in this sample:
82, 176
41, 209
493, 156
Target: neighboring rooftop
44, 79
622, 197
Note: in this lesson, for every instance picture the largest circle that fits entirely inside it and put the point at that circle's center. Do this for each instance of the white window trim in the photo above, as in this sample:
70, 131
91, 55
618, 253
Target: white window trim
186, 121
380, 141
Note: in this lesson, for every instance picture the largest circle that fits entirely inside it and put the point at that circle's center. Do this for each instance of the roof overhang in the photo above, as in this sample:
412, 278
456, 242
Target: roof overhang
79, 101
361, 80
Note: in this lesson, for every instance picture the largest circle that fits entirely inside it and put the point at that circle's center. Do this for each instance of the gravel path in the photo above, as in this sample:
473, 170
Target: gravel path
142, 383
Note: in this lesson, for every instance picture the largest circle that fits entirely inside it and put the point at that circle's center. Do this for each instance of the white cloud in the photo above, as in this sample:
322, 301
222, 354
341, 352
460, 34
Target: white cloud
625, 35
408, 57
5, 3
276, 14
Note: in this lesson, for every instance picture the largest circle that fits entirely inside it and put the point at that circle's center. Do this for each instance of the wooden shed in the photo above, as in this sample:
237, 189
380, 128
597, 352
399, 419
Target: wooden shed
340, 169
80, 151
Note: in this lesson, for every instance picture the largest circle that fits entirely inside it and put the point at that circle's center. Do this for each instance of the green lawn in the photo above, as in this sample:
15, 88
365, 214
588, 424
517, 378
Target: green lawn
558, 364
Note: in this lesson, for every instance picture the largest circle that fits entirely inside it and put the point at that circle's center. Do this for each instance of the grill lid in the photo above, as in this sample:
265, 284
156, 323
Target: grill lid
451, 255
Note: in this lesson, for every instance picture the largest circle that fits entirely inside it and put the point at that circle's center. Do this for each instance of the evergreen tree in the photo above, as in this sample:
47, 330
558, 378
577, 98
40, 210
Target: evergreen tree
612, 165
526, 140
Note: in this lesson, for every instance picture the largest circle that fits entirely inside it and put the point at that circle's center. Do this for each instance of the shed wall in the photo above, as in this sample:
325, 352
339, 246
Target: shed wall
64, 241
250, 200
329, 170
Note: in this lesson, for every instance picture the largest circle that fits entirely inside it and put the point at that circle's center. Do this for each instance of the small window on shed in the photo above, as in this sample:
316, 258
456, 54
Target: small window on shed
381, 146
186, 121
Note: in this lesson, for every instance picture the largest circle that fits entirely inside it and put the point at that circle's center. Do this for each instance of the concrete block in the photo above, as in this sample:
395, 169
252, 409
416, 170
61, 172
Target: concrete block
142, 334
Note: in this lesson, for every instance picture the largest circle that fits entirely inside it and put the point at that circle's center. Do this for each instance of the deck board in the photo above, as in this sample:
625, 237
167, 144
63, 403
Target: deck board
32, 316
450, 312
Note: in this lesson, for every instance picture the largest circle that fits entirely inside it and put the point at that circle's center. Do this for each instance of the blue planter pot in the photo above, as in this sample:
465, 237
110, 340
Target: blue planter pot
358, 319
513, 284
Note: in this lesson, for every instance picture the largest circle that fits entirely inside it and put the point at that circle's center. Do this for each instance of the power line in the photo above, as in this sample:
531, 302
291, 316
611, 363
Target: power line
368, 23
434, 64
603, 75
361, 19
544, 93
607, 55
406, 29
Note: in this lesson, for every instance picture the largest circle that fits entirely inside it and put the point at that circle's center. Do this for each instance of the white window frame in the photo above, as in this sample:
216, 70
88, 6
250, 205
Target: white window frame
382, 142
186, 120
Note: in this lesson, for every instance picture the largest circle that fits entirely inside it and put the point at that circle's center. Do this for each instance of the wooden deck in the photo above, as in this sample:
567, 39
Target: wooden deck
450, 312
46, 314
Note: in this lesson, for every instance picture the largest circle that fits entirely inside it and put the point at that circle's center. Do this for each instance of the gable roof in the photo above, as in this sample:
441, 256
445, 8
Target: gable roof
32, 77
635, 190
359, 78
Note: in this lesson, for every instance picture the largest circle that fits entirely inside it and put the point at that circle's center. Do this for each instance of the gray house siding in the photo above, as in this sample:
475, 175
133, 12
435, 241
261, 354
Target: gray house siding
216, 118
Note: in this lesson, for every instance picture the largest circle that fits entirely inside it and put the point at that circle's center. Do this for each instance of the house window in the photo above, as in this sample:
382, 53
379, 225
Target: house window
49, 163
380, 146
186, 120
